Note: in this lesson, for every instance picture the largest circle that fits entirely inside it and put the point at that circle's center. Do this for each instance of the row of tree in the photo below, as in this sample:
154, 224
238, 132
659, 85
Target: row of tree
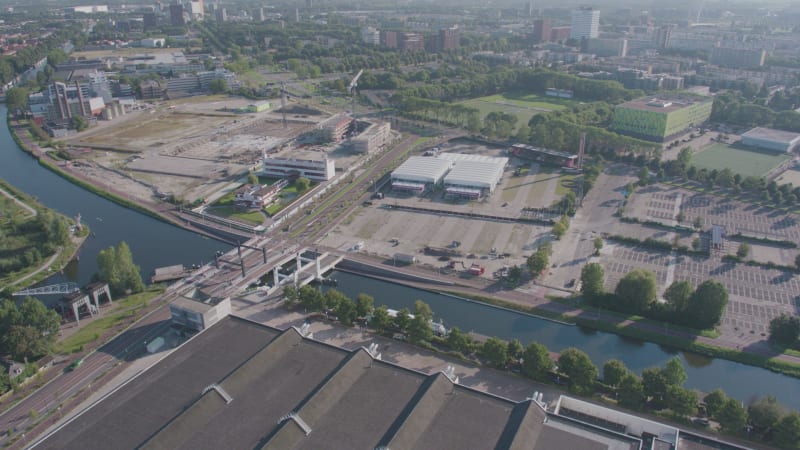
115, 266
657, 389
636, 293
731, 108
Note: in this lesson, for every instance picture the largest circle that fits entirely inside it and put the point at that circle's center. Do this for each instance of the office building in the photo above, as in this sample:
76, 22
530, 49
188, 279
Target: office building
661, 119
449, 38
176, 15
541, 31
375, 137
742, 58
299, 164
662, 36
585, 23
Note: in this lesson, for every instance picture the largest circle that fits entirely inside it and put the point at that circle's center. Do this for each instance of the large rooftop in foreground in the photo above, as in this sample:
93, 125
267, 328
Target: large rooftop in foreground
239, 384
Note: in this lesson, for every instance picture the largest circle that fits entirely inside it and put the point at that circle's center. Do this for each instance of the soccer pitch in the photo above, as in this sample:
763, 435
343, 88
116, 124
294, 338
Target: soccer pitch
524, 106
739, 160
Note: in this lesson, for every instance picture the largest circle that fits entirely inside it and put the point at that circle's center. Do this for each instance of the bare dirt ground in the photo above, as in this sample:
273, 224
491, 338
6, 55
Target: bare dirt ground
189, 147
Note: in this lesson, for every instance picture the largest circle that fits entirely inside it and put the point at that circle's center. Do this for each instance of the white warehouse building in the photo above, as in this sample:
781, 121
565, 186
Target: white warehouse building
769, 139
419, 173
472, 176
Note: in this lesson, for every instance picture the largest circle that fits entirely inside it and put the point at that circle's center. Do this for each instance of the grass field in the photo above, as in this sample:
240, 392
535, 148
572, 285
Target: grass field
524, 106
739, 160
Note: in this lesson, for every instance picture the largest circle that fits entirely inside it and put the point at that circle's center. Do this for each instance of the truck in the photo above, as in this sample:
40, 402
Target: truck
405, 258
476, 269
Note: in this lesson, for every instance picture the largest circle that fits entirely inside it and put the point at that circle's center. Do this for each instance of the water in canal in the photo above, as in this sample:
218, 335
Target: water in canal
705, 374
153, 243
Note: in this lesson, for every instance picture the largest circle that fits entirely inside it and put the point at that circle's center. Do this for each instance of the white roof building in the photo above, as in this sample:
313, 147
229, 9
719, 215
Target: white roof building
769, 139
421, 170
473, 172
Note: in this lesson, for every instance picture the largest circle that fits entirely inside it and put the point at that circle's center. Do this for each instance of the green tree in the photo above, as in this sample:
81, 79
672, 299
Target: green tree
636, 291
290, 294
419, 329
218, 86
685, 157
644, 176
743, 251
765, 413
364, 304
714, 401
630, 391
536, 361
79, 123
17, 98
116, 267
654, 383
598, 245
678, 295
333, 298
302, 184
423, 309
494, 352
614, 371
459, 341
559, 230
698, 223
579, 368
514, 349
592, 280
403, 319
311, 299
787, 432
732, 417
784, 330
674, 372
707, 304
537, 263
380, 319
682, 401
345, 311
252, 178
29, 330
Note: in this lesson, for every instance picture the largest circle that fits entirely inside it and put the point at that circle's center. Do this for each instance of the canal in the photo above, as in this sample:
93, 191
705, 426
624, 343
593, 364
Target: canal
740, 381
152, 242
155, 243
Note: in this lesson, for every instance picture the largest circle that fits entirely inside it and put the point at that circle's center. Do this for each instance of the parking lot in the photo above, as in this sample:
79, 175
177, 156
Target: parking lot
756, 294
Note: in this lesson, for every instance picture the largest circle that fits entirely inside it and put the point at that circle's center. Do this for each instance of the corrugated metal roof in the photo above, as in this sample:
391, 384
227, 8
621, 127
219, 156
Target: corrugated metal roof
423, 169
458, 157
786, 137
475, 173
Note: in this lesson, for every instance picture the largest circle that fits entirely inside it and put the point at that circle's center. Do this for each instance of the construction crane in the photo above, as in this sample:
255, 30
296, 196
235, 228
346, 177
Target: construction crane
352, 90
283, 102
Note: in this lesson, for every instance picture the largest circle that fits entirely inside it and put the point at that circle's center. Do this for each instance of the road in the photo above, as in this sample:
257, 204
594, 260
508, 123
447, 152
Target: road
124, 347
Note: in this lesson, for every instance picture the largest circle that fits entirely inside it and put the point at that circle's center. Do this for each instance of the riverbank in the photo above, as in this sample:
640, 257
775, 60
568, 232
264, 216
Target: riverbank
54, 262
155, 211
596, 319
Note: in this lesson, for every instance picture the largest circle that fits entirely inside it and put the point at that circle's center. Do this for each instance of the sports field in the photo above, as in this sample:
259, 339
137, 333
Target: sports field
524, 106
739, 160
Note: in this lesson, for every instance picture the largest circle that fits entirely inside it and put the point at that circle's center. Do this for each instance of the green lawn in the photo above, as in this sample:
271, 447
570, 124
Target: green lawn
234, 213
739, 160
524, 106
123, 308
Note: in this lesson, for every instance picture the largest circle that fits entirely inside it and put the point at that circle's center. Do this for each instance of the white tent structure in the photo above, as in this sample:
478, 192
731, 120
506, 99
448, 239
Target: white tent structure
419, 173
472, 176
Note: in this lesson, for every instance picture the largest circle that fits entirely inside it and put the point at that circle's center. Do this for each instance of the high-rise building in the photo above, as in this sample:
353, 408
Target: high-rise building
585, 23
449, 38
541, 30
196, 8
411, 42
389, 39
149, 20
222, 15
259, 16
738, 57
176, 15
663, 35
